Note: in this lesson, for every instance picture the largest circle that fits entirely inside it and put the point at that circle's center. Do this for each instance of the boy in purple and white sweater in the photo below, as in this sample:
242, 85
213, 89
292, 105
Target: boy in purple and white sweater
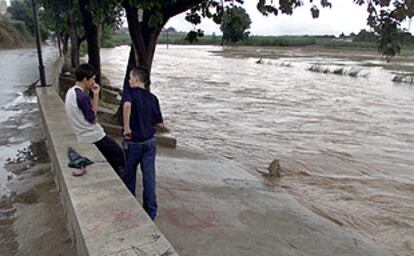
81, 113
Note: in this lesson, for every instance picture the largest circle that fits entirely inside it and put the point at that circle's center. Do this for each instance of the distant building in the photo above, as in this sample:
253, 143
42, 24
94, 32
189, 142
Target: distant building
3, 7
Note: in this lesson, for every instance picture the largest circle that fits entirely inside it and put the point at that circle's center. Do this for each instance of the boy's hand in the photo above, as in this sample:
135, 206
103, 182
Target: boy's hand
127, 134
160, 127
95, 89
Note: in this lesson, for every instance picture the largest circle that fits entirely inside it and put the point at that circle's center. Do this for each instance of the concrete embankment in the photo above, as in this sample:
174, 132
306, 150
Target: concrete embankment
103, 217
213, 206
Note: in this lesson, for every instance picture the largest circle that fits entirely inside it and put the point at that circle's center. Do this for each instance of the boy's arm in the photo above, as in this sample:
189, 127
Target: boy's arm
95, 100
159, 122
126, 116
85, 105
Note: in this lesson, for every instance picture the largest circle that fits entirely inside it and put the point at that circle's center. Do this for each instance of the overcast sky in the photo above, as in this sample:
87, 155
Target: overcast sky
344, 16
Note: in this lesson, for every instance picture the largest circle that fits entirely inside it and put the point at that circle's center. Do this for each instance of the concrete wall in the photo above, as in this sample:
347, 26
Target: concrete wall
103, 217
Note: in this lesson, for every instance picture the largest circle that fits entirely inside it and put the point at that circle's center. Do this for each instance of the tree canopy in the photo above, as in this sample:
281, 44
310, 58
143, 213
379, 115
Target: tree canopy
21, 10
235, 24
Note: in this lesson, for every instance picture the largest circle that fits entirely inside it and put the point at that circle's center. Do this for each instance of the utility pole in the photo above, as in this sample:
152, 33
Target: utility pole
39, 49
167, 38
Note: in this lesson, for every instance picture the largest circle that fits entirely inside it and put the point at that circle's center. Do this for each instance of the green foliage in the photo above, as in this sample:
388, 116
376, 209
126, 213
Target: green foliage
156, 19
21, 28
108, 12
386, 23
365, 36
280, 41
21, 10
14, 33
388, 43
180, 38
235, 24
55, 15
406, 38
193, 36
112, 38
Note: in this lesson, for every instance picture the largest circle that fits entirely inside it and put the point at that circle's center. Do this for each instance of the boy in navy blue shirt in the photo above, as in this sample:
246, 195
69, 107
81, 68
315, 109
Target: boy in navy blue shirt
141, 114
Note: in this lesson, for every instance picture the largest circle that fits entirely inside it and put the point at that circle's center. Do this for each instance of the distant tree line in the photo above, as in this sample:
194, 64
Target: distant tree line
405, 37
21, 10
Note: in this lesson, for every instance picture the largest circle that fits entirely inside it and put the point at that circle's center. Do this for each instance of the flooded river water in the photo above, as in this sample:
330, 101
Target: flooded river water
346, 143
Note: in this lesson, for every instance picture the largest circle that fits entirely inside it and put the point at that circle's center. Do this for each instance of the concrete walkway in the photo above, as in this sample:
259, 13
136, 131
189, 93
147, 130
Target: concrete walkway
212, 206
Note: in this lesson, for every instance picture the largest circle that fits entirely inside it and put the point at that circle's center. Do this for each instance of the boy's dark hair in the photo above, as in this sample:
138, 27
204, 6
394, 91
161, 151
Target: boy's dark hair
143, 75
84, 71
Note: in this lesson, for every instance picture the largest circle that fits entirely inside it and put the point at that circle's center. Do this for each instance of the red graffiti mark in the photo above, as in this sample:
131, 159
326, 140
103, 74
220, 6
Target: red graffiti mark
185, 219
95, 226
135, 225
123, 215
123, 219
177, 185
126, 217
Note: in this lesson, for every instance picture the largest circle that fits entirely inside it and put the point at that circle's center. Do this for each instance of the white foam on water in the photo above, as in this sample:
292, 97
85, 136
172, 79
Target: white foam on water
8, 152
24, 126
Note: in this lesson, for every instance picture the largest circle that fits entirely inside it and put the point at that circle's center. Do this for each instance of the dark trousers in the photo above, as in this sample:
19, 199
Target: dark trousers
142, 154
113, 153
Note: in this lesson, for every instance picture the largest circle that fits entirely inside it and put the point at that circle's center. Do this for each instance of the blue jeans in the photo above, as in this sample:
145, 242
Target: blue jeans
142, 154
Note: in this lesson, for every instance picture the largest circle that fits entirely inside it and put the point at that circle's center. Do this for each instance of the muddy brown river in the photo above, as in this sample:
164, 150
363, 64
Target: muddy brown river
346, 141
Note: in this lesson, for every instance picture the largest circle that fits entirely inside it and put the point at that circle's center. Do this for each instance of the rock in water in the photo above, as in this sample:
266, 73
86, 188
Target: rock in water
404, 78
274, 169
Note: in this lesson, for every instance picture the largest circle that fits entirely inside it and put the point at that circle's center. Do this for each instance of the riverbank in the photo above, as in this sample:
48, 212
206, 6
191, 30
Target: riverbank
32, 220
210, 206
14, 34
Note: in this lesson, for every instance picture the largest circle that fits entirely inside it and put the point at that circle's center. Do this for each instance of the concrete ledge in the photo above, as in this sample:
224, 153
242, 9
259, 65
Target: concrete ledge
162, 139
103, 217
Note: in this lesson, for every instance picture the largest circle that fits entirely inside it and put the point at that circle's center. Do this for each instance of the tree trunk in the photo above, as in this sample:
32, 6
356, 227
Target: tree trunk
59, 43
410, 5
145, 61
65, 42
100, 29
74, 52
74, 49
92, 37
144, 40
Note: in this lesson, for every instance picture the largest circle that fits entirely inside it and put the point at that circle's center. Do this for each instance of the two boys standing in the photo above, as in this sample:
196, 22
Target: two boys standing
141, 113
